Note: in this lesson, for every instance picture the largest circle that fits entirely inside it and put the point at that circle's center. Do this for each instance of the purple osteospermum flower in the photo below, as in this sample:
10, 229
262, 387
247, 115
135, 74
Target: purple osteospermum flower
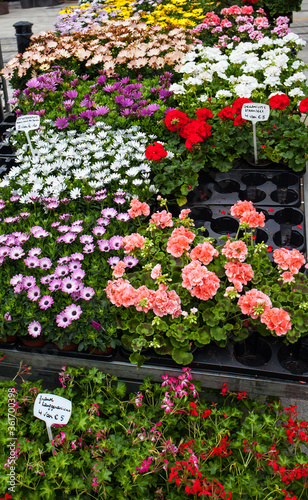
77, 256
16, 279
16, 253
86, 239
120, 201
101, 110
45, 280
63, 260
77, 222
46, 302
113, 260
98, 231
78, 274
55, 285
7, 317
24, 215
76, 229
71, 94
63, 229
120, 193
61, 270
65, 201
123, 217
61, 122
21, 238
130, 261
109, 213
103, 245
60, 239
65, 217
18, 288
45, 263
102, 221
69, 285
89, 248
15, 197
74, 265
5, 251
11, 220
29, 282
73, 311
34, 252
100, 197
34, 328
115, 242
63, 320
40, 233
32, 262
69, 237
53, 205
87, 293
88, 198
55, 224
34, 293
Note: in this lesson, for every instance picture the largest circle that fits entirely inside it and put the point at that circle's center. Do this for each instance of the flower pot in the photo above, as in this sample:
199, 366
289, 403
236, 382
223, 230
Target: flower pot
95, 350
67, 347
253, 351
294, 357
31, 342
4, 8
9, 339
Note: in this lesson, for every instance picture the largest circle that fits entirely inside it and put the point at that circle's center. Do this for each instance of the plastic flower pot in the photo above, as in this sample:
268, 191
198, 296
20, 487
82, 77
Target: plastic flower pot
253, 351
294, 357
32, 342
67, 347
109, 350
8, 339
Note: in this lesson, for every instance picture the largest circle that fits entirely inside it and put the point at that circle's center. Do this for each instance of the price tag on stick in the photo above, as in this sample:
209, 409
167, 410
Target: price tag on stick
53, 410
255, 112
26, 123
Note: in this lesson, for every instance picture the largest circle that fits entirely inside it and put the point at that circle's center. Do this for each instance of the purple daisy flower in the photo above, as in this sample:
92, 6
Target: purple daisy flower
63, 260
87, 293
86, 239
18, 288
73, 311
32, 262
115, 242
55, 285
103, 245
88, 248
7, 317
63, 229
45, 280
77, 255
69, 285
63, 320
15, 197
78, 274
99, 231
100, 197
65, 217
34, 293
69, 237
130, 261
41, 233
21, 238
102, 221
61, 122
28, 282
74, 265
77, 223
16, 279
34, 252
113, 260
24, 215
55, 224
71, 94
45, 263
16, 253
60, 239
109, 213
123, 217
61, 270
5, 251
34, 328
53, 205
46, 302
65, 201
120, 201
76, 229
120, 193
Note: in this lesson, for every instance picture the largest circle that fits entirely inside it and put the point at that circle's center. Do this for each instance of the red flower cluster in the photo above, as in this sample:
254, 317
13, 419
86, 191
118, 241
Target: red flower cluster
279, 101
303, 105
234, 113
156, 152
193, 130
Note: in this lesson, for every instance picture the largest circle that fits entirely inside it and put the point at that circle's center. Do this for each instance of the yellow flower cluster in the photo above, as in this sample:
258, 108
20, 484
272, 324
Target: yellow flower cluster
178, 12
121, 7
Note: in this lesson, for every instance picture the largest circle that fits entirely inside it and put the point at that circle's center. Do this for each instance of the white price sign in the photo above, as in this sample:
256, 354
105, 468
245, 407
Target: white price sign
27, 122
255, 112
52, 409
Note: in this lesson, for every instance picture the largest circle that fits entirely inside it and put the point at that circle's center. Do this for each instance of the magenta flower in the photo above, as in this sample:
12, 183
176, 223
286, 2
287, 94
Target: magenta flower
87, 293
34, 252
73, 311
16, 279
115, 242
109, 213
45, 280
99, 231
63, 320
63, 260
28, 282
130, 261
5, 251
69, 237
24, 215
16, 253
61, 122
55, 285
103, 245
7, 317
89, 248
76, 229
55, 224
74, 265
46, 302
78, 274
123, 217
65, 217
61, 271
32, 262
34, 293
113, 260
69, 285
102, 221
34, 328
77, 255
45, 263
86, 239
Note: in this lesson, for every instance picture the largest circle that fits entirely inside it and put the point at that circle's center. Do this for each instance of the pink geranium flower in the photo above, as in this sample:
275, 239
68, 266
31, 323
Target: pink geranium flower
277, 319
162, 219
200, 282
239, 273
235, 250
254, 303
205, 252
138, 208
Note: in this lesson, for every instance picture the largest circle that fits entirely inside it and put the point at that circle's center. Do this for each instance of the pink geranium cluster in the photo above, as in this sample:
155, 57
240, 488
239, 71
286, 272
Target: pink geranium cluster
247, 214
277, 319
254, 303
138, 208
237, 272
289, 260
205, 252
180, 241
200, 282
162, 301
162, 219
132, 242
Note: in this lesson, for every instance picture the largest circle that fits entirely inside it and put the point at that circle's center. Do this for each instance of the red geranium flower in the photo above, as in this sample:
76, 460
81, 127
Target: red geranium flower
303, 106
175, 120
279, 101
238, 104
226, 113
204, 113
156, 152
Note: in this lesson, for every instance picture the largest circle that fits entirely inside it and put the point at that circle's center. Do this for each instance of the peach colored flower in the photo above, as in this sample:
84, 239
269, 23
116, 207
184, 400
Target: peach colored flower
162, 219
205, 252
144, 293
253, 302
166, 302
177, 245
238, 273
132, 242
184, 213
253, 218
119, 269
236, 250
287, 277
278, 320
121, 293
240, 207
156, 272
138, 208
183, 231
199, 281
291, 260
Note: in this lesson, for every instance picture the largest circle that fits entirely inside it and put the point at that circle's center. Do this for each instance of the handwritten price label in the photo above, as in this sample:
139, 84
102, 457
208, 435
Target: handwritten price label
52, 409
255, 112
28, 122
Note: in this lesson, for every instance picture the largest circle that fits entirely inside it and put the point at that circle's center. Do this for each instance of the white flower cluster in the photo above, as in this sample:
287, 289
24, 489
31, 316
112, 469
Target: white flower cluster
78, 164
264, 64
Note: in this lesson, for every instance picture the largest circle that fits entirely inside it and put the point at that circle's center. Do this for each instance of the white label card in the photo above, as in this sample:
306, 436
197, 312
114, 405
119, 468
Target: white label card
255, 112
28, 122
52, 409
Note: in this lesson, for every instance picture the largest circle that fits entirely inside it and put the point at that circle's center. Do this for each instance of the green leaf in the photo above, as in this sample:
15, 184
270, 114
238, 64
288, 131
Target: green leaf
182, 357
137, 359
145, 329
181, 200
